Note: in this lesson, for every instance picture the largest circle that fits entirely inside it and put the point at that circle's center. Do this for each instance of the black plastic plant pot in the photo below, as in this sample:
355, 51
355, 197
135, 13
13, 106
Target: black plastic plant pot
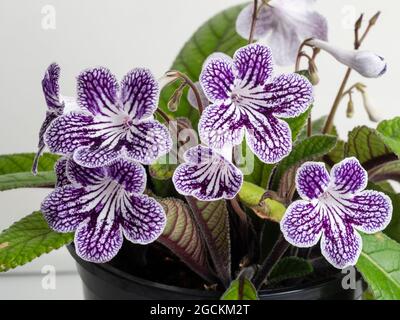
105, 282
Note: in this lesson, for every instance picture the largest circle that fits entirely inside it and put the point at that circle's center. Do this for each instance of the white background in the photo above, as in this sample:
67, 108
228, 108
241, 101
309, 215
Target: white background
123, 34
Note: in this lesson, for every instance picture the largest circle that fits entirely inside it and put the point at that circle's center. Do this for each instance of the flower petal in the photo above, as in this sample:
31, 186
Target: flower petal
94, 156
97, 90
147, 141
289, 95
269, 138
83, 176
143, 219
221, 125
217, 77
139, 93
263, 22
207, 178
315, 26
349, 177
130, 175
64, 208
60, 169
51, 88
302, 224
253, 65
68, 132
370, 211
340, 244
312, 180
99, 239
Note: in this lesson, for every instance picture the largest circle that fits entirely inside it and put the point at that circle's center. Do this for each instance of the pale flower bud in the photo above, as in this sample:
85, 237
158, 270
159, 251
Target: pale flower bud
373, 113
350, 109
366, 63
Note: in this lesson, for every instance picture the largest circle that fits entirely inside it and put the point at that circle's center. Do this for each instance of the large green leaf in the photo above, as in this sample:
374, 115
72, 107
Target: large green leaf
182, 236
216, 35
386, 171
290, 268
27, 239
379, 264
305, 150
27, 180
367, 146
212, 217
240, 289
389, 131
22, 162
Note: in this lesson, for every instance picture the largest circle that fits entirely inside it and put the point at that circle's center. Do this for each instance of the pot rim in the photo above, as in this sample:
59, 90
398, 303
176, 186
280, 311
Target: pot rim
115, 272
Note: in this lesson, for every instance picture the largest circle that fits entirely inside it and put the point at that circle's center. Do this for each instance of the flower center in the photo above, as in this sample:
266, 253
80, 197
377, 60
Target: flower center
127, 122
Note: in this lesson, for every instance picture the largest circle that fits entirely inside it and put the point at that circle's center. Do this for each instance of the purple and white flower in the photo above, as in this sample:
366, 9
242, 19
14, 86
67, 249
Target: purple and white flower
102, 205
246, 98
283, 25
333, 208
207, 175
114, 121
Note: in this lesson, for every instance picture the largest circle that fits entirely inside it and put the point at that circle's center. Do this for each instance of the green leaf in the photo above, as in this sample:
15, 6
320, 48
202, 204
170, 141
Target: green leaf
393, 229
379, 263
216, 35
27, 180
162, 171
212, 217
182, 236
305, 150
389, 131
28, 239
240, 289
290, 268
367, 146
22, 162
386, 171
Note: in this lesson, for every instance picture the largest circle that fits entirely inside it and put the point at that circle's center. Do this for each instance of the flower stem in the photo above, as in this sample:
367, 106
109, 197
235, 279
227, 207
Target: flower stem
253, 21
276, 254
163, 115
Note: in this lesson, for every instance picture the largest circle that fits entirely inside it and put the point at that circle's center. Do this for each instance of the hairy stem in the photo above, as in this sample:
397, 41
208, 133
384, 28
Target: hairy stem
163, 115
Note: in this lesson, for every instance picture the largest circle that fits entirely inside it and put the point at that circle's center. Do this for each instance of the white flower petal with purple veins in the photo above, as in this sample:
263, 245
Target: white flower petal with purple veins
207, 175
312, 180
302, 224
253, 65
349, 177
100, 204
338, 200
116, 124
283, 25
269, 138
60, 168
252, 101
142, 219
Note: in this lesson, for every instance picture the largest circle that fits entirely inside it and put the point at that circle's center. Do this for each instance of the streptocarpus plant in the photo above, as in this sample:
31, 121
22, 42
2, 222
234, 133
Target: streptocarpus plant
260, 162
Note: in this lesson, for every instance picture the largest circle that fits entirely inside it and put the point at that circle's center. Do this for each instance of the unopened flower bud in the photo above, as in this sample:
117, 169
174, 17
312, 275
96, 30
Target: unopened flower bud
366, 63
350, 109
175, 99
372, 112
313, 73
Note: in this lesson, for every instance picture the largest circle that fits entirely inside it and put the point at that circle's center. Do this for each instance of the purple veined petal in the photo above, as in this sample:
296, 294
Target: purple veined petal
130, 175
142, 219
253, 65
97, 91
221, 125
68, 132
288, 95
95, 156
147, 141
139, 93
50, 116
51, 88
199, 154
302, 224
192, 98
65, 208
340, 244
217, 77
312, 180
269, 138
60, 169
263, 23
349, 177
83, 176
207, 178
99, 239
370, 211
